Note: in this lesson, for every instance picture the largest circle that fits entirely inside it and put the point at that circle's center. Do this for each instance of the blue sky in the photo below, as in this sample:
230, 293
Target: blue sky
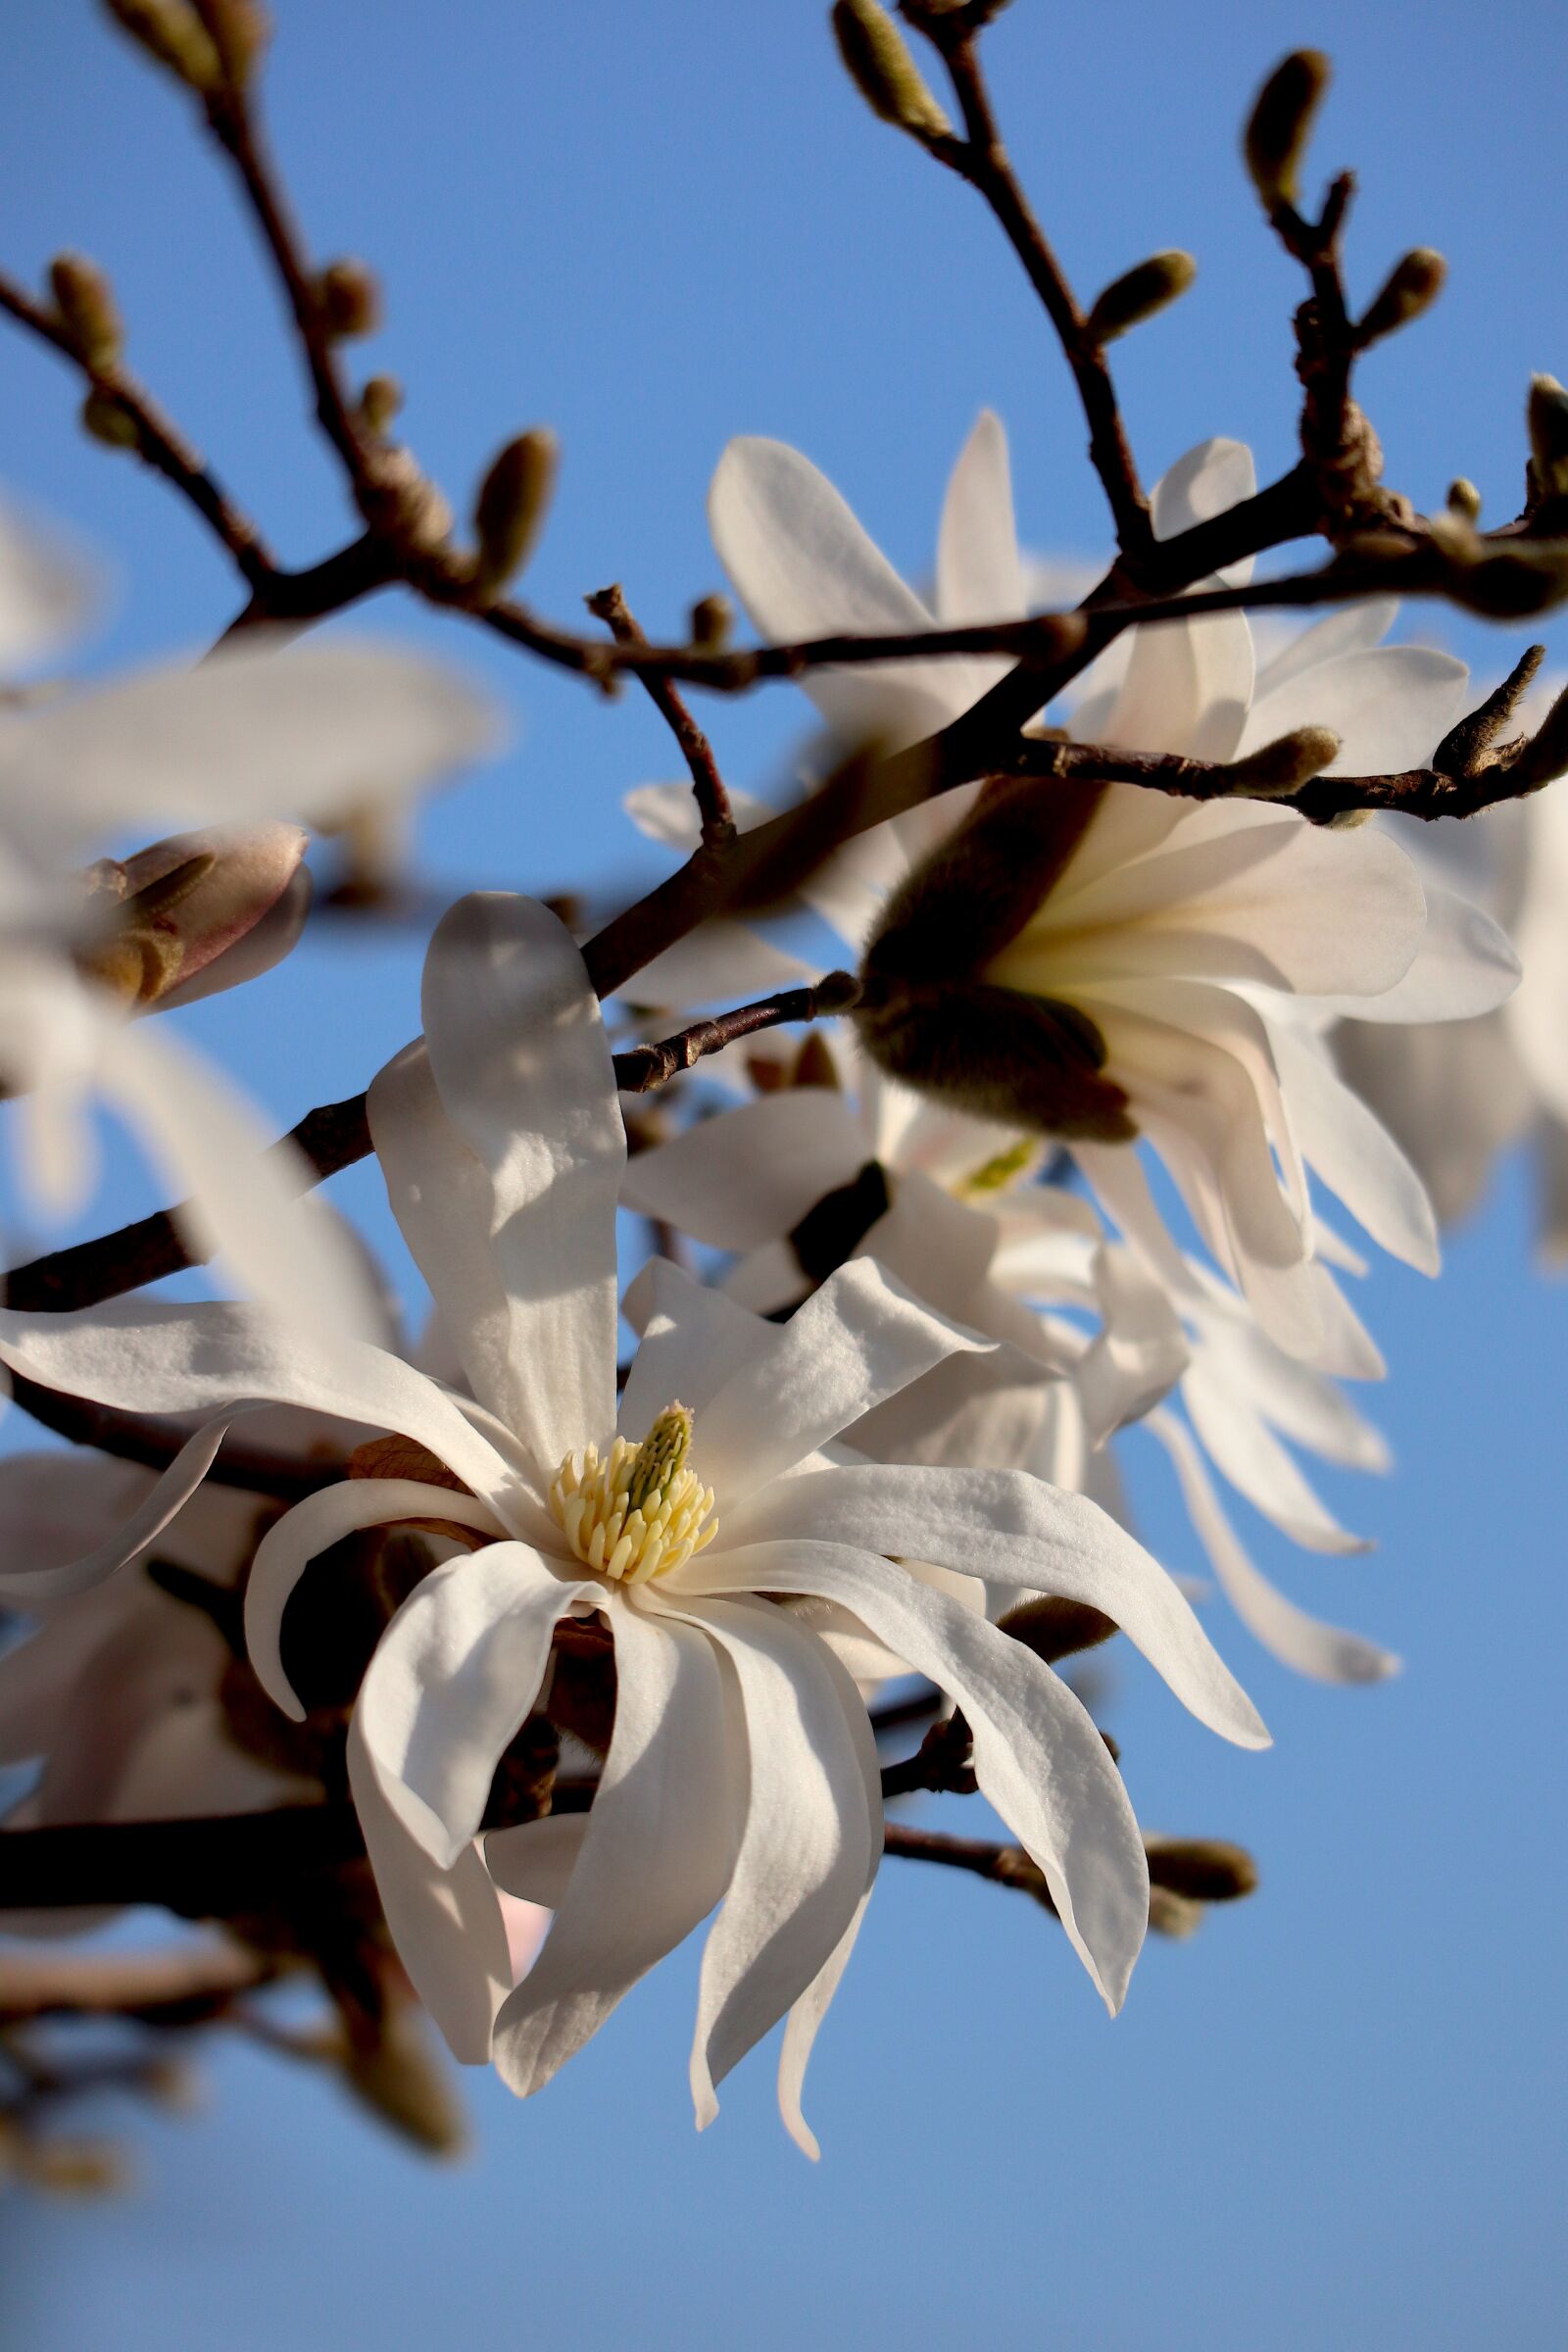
1336, 2114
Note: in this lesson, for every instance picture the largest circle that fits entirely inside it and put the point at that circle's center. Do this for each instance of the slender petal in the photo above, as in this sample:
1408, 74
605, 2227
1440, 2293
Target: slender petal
1007, 1529
1390, 706
659, 1850
1038, 1756
146, 1524
312, 1527
519, 1055
453, 1678
751, 1174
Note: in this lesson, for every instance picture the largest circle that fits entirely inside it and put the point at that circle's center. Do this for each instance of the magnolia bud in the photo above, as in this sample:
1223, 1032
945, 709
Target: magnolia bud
171, 33
380, 402
400, 2078
1055, 1629
240, 31
1507, 583
1206, 1870
1174, 1915
711, 619
1280, 123
1412, 286
1139, 294
198, 912
1548, 434
88, 312
347, 300
512, 503
883, 71
1276, 770
110, 421
1465, 498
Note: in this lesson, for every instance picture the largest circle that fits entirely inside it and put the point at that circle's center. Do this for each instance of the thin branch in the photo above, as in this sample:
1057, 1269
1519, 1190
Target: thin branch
180, 1988
149, 1440
610, 606
641, 1068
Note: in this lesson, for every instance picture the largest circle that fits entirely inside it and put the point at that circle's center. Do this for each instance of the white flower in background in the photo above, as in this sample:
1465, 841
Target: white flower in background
243, 740
1456, 1096
948, 1205
741, 1769
1205, 945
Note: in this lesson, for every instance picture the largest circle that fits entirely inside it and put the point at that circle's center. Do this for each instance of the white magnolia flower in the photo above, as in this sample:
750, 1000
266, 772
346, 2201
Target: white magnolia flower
741, 1770
1191, 936
945, 1202
245, 739
1458, 1094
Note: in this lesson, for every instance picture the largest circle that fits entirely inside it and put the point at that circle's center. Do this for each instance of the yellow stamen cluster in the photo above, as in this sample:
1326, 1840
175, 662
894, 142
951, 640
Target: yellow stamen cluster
1000, 1174
640, 1513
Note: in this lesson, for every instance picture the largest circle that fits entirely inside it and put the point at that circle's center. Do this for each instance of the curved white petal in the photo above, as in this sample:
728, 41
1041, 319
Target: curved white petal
1390, 707
1037, 1754
1306, 1642
659, 1852
1353, 1152
314, 1526
1353, 629
1244, 1450
447, 1924
1465, 965
748, 1175
766, 1397
453, 1678
518, 1051
60, 1580
313, 731
979, 574
810, 1842
721, 962
47, 590
800, 2034
1007, 1529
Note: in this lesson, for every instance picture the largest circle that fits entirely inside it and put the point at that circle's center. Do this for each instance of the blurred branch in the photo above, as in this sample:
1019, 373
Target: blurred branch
610, 606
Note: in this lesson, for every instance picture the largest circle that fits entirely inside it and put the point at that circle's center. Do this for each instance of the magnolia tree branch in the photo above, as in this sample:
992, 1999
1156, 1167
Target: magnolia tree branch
610, 606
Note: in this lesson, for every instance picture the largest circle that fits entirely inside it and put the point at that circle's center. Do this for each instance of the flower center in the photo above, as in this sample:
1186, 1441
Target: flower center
1000, 1173
640, 1513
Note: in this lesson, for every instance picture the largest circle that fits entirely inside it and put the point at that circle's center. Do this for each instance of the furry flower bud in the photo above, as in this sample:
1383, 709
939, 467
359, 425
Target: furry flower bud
1281, 122
1278, 769
1138, 293
88, 310
240, 31
1412, 287
175, 36
882, 69
1548, 415
512, 503
347, 300
1465, 498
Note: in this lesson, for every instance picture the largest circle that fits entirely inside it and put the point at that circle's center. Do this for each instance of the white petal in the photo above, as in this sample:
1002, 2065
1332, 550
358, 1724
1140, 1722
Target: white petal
979, 575
804, 568
766, 1398
453, 1678
721, 962
153, 1356
1297, 1640
1465, 965
1037, 1757
811, 1838
1390, 706
447, 1924
799, 2034
47, 590
659, 1852
1246, 1452
1355, 1154
146, 1523
534, 1861
751, 1174
519, 1055
311, 731
312, 1527
1353, 629
246, 1198
1009, 1528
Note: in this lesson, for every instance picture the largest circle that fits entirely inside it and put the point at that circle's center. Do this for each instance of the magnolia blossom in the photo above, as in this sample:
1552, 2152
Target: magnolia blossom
948, 1205
245, 739
741, 1769
1457, 1094
1204, 946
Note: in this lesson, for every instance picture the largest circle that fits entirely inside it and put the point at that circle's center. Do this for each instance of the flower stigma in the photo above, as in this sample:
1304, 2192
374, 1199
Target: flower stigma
639, 1512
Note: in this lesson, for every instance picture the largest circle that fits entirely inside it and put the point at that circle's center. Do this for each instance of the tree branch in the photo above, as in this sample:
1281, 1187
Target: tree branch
610, 606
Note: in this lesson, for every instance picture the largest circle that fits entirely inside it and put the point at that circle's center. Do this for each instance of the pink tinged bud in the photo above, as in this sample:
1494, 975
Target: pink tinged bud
221, 906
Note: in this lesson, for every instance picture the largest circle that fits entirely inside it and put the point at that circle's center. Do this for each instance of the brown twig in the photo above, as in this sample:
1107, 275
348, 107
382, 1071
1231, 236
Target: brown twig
610, 606
153, 1988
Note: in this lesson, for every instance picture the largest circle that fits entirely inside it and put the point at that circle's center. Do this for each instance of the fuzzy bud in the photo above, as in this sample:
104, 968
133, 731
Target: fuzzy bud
1206, 1870
1412, 287
712, 617
196, 913
88, 312
1281, 121
1138, 293
110, 421
1505, 583
1277, 769
1465, 498
401, 2080
1548, 434
511, 507
883, 72
240, 31
347, 300
380, 404
174, 35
